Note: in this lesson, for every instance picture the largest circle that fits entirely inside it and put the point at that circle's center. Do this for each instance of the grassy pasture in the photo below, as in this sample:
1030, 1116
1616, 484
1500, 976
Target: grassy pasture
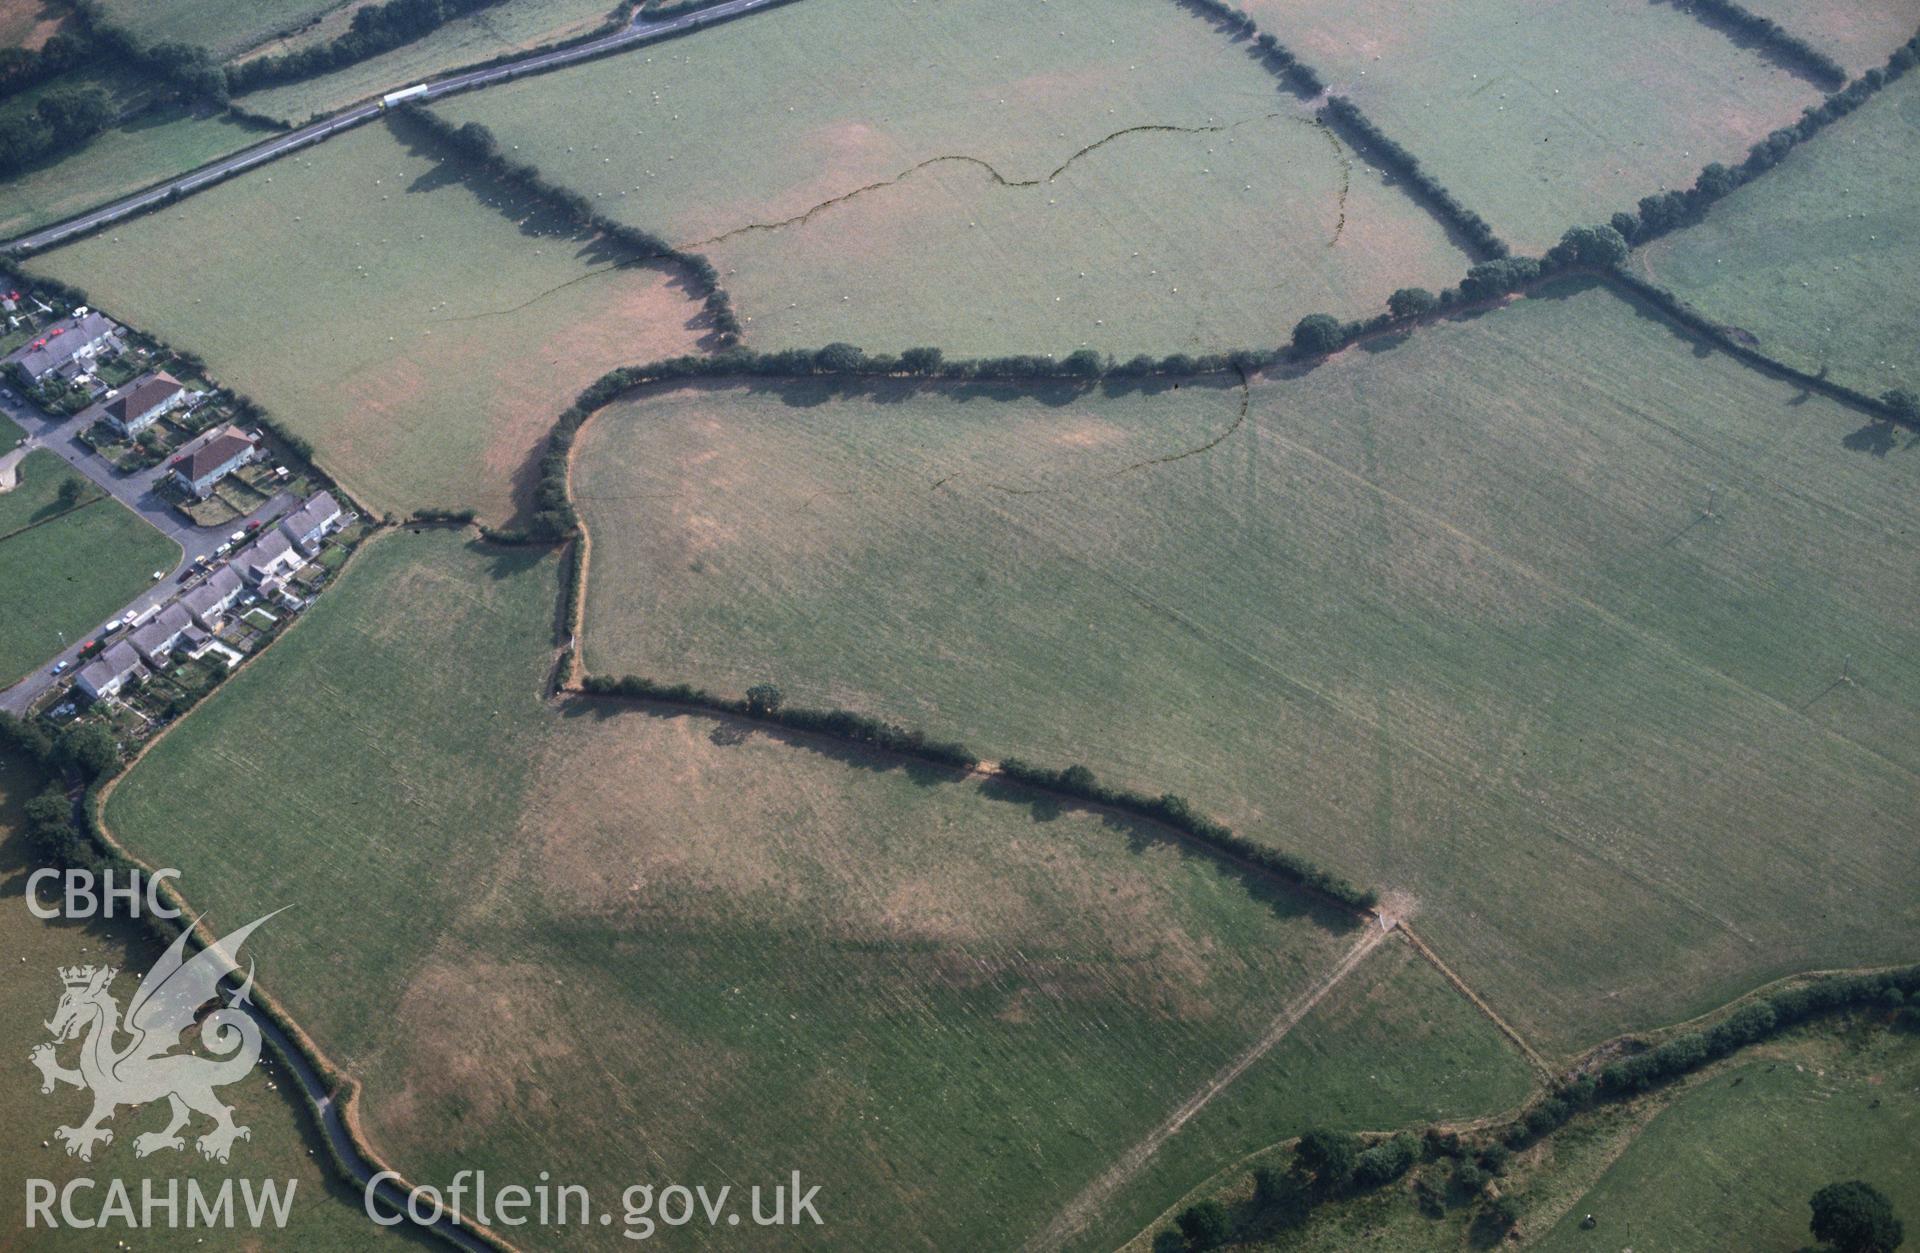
1400, 1036
1445, 618
1859, 36
1816, 259
1541, 114
481, 36
66, 570
421, 330
154, 145
323, 1215
1733, 1161
1724, 1160
624, 947
1218, 233
223, 27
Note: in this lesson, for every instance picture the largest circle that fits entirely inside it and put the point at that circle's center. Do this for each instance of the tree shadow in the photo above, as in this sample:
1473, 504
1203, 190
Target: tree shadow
1876, 439
1779, 58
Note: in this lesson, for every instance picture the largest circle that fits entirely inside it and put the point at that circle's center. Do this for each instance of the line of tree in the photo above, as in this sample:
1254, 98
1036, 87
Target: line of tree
444, 517
1895, 992
764, 703
21, 68
1783, 44
1666, 211
63, 119
476, 143
374, 29
1176, 812
552, 518
1583, 248
191, 70
661, 10
1896, 405
1296, 74
1362, 132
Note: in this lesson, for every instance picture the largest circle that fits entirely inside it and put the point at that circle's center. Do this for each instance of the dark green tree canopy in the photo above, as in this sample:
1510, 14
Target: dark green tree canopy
1854, 1217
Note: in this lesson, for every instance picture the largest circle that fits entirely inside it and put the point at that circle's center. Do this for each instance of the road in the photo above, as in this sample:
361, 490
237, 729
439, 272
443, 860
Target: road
331, 1125
61, 436
638, 31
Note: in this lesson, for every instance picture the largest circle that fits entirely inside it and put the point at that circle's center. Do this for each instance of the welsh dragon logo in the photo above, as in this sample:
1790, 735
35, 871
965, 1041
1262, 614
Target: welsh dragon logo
147, 1068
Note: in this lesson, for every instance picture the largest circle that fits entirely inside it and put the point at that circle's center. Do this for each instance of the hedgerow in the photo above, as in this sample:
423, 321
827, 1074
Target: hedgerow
1360, 130
1363, 133
1769, 34
842, 724
375, 29
1647, 1068
476, 143
1176, 812
1666, 211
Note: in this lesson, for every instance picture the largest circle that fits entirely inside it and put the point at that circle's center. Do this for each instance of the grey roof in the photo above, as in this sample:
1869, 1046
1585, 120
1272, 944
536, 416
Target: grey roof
221, 585
167, 623
59, 349
117, 660
319, 508
270, 546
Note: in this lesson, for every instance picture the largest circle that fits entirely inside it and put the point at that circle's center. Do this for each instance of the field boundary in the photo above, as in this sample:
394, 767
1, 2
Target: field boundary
1080, 1211
345, 1091
1460, 985
1773, 41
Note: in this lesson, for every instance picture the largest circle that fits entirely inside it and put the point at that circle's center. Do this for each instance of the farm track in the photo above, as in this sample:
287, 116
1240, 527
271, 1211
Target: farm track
1082, 1208
1459, 985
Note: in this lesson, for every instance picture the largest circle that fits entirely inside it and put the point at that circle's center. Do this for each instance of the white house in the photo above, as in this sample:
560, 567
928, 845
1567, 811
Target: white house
71, 342
111, 670
143, 404
157, 638
213, 458
208, 603
270, 560
310, 524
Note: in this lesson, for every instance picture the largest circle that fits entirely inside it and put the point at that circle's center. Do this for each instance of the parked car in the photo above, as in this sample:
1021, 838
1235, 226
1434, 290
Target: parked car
254, 525
113, 626
224, 549
58, 666
236, 537
158, 575
188, 573
61, 711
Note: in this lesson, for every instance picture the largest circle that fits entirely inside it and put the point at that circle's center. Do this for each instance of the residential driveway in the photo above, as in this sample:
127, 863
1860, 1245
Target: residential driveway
136, 491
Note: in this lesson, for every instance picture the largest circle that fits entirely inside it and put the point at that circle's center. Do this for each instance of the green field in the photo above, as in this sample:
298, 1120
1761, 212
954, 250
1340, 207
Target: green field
64, 572
1732, 1162
223, 27
1859, 36
1218, 225
489, 33
323, 1215
155, 145
1444, 617
599, 942
1540, 114
1725, 1160
1397, 1048
1816, 259
421, 330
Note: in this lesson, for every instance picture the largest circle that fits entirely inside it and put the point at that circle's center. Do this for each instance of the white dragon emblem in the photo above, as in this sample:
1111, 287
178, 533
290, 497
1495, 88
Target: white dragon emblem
146, 1069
